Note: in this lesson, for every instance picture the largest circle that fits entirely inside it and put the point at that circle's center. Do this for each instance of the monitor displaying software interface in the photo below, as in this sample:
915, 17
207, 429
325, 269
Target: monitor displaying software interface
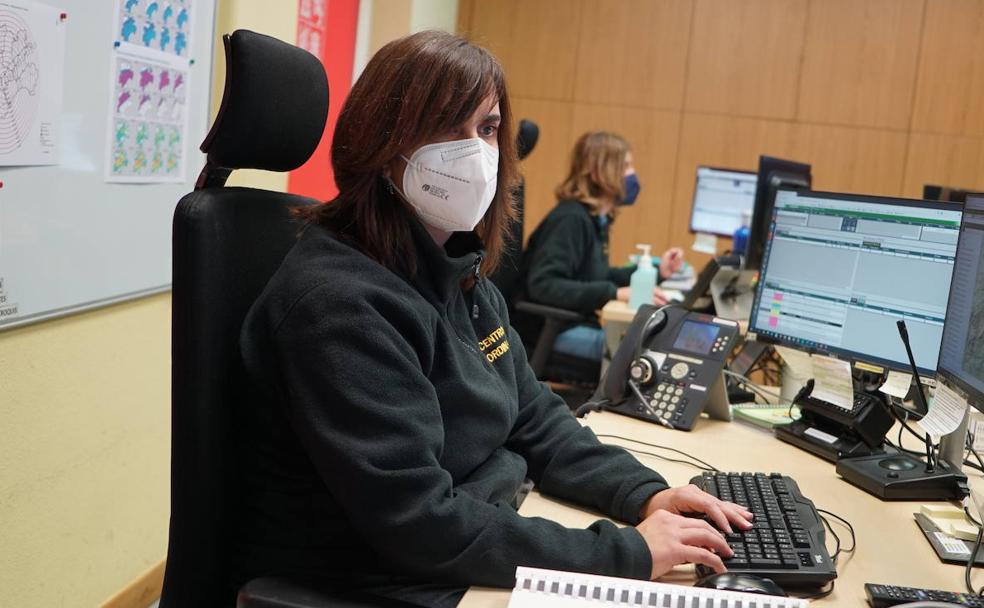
962, 351
839, 271
720, 197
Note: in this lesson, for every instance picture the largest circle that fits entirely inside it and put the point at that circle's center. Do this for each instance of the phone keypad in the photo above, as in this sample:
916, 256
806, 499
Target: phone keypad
667, 402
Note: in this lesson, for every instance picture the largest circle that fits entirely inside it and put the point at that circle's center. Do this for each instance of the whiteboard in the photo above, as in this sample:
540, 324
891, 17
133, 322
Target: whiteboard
69, 241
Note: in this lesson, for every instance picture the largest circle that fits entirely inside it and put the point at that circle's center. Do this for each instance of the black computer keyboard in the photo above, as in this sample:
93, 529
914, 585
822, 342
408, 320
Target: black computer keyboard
891, 595
787, 541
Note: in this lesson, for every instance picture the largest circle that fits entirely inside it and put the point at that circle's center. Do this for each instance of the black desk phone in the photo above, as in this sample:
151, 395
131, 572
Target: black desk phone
668, 368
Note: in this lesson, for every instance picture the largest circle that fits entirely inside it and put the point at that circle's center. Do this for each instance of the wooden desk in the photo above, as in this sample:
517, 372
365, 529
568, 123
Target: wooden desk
891, 549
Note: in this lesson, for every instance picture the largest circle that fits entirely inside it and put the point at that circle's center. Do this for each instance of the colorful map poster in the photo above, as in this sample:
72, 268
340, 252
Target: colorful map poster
159, 26
32, 68
149, 80
148, 122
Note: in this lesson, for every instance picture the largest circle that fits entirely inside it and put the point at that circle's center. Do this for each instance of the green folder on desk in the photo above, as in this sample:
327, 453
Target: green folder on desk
763, 414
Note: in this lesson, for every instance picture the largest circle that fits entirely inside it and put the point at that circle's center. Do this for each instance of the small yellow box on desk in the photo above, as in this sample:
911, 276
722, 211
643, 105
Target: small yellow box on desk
950, 520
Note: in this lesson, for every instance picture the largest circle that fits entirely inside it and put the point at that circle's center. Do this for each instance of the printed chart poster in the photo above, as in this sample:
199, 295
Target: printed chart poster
32, 67
149, 120
159, 26
311, 25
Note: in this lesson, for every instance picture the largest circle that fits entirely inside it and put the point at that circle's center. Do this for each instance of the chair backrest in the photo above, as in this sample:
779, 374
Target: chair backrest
508, 271
227, 243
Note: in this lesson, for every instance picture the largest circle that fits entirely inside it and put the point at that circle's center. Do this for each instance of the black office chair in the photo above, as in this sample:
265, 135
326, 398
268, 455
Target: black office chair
539, 337
506, 275
227, 243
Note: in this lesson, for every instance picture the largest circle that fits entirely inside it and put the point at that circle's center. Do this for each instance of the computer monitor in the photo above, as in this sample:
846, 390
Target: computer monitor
933, 192
840, 270
961, 363
721, 196
773, 174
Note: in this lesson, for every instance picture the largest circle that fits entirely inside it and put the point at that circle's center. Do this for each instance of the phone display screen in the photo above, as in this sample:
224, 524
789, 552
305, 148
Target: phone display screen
696, 337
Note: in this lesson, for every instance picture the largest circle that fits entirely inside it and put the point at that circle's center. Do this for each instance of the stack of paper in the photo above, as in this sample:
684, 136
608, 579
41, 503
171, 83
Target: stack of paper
536, 588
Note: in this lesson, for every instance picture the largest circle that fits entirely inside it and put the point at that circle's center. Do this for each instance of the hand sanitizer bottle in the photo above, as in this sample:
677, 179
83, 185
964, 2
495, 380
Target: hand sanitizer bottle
643, 280
740, 242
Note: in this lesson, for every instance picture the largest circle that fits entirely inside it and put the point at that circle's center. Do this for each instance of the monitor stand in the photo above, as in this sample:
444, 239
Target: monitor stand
733, 293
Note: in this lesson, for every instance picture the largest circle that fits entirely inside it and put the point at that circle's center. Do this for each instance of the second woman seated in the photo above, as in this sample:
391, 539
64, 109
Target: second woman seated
566, 262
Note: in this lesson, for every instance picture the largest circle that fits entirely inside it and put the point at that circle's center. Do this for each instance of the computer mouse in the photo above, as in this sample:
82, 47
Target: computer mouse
746, 583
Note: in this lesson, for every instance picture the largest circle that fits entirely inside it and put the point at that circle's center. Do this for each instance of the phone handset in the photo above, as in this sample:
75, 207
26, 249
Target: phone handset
628, 360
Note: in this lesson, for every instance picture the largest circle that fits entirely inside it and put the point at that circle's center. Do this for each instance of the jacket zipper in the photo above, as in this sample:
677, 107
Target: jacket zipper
478, 277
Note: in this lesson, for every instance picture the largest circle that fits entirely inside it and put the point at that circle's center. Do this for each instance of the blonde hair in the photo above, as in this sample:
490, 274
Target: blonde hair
597, 171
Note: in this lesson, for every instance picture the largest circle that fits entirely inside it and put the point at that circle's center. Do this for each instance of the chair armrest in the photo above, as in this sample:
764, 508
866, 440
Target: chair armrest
555, 319
271, 592
551, 312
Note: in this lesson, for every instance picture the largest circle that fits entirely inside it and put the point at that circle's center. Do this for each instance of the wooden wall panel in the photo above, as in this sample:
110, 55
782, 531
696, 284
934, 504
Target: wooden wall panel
646, 66
951, 69
943, 160
880, 96
859, 66
463, 19
745, 57
720, 141
850, 159
653, 138
536, 40
547, 165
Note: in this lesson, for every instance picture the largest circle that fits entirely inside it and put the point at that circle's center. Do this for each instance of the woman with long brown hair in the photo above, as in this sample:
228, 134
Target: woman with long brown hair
403, 418
566, 260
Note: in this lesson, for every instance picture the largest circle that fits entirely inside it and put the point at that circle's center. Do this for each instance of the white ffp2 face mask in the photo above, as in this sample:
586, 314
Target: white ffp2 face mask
451, 184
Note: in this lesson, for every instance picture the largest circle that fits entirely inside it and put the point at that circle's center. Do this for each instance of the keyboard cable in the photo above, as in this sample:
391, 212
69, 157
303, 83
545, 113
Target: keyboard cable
850, 528
837, 551
704, 466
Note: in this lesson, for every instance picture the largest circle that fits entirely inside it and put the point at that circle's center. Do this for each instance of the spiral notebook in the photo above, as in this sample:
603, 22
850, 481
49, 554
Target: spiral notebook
536, 588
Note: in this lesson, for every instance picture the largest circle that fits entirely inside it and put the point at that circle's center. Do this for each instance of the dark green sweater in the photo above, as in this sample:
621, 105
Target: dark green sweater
566, 261
401, 420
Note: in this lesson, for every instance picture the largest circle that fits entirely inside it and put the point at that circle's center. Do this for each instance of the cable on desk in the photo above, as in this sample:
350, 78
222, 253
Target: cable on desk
704, 466
970, 448
971, 517
854, 538
903, 449
970, 561
758, 390
904, 419
931, 448
837, 540
819, 595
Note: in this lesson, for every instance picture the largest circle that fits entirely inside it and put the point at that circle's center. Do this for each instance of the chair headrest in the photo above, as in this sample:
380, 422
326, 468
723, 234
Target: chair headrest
274, 106
526, 138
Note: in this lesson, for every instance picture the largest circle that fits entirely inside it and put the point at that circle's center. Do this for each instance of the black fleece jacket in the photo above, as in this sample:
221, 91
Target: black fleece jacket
402, 418
566, 261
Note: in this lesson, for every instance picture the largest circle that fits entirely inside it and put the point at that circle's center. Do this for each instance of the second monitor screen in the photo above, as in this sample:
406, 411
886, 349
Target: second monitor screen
720, 198
840, 270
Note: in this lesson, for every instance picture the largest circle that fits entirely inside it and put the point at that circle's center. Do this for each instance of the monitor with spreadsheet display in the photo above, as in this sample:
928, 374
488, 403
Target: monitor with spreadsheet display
773, 174
721, 196
961, 355
839, 270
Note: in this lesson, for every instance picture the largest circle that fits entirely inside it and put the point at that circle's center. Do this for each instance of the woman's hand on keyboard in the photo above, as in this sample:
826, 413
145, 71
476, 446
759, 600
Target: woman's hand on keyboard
691, 499
673, 539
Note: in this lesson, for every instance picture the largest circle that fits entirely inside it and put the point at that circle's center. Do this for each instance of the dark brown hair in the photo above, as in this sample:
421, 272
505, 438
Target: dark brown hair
413, 90
597, 170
